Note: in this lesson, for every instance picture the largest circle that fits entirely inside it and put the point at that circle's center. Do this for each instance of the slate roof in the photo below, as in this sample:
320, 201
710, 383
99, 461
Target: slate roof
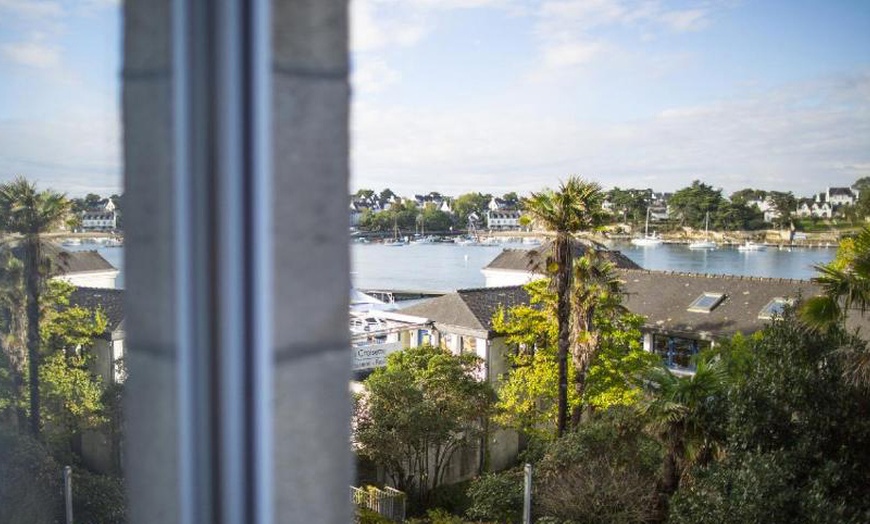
470, 309
63, 261
662, 297
111, 301
534, 259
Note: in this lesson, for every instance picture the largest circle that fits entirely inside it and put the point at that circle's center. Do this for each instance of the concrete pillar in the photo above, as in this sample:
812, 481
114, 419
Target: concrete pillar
312, 459
150, 410
312, 405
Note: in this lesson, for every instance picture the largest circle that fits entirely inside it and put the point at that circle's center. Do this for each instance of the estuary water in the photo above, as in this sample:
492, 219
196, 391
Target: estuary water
446, 267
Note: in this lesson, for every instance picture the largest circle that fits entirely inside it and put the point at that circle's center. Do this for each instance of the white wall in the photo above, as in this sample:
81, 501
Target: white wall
502, 278
98, 279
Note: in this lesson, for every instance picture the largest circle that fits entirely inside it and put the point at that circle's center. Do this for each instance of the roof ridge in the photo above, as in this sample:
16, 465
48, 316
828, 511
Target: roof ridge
716, 275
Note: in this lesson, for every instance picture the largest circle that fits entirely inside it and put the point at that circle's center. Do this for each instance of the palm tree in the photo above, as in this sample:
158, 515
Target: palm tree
597, 290
678, 412
28, 213
13, 328
575, 207
845, 284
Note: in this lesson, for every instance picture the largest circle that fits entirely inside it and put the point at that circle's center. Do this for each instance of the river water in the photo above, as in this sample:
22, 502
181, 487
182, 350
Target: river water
445, 267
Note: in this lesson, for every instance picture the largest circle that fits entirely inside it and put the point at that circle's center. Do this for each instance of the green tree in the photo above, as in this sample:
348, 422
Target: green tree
747, 195
691, 204
595, 295
601, 471
797, 437
681, 412
630, 204
529, 395
71, 391
29, 213
737, 215
13, 338
364, 194
575, 207
845, 284
417, 412
785, 204
468, 204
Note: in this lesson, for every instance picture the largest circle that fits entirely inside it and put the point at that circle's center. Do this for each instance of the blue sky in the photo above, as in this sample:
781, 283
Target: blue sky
507, 95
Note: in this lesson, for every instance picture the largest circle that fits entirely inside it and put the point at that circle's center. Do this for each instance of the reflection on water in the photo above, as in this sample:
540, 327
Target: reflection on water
443, 267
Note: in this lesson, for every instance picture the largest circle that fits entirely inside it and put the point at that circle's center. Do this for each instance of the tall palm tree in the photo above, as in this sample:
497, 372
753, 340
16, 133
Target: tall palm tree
596, 290
845, 284
29, 213
575, 207
13, 328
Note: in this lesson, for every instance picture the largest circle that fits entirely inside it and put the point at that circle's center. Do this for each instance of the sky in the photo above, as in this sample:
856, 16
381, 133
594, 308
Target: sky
506, 95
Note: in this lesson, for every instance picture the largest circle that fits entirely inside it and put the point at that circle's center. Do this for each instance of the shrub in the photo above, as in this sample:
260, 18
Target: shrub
30, 481
604, 471
496, 496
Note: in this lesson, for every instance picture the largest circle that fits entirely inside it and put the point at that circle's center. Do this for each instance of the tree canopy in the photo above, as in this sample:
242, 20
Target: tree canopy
417, 412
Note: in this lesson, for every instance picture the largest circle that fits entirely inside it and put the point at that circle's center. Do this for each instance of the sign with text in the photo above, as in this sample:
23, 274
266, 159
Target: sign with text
373, 356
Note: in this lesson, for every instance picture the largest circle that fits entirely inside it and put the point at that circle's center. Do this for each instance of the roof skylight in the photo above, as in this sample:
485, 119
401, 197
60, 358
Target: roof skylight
706, 303
773, 308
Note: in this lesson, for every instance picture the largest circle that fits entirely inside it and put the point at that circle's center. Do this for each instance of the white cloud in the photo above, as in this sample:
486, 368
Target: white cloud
571, 53
32, 54
374, 27
765, 141
373, 76
575, 32
689, 20
71, 154
32, 8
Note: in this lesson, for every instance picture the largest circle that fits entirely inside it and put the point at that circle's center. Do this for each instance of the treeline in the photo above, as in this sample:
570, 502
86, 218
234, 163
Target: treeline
386, 211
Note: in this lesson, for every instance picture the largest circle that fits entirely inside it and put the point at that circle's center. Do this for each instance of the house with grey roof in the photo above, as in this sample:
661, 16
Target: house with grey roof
79, 268
102, 446
514, 267
684, 312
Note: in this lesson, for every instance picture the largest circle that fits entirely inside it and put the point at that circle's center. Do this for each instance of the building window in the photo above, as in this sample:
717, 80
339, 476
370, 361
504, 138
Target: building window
678, 352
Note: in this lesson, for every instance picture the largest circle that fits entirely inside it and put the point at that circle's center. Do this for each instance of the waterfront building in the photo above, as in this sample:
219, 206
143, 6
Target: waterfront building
520, 266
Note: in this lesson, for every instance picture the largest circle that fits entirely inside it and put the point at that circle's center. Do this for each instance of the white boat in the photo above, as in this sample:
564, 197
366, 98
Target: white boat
751, 246
465, 241
394, 243
424, 240
531, 241
647, 239
706, 243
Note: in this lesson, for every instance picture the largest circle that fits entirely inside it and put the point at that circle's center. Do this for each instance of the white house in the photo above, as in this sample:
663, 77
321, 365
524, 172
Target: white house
81, 268
508, 219
100, 220
516, 267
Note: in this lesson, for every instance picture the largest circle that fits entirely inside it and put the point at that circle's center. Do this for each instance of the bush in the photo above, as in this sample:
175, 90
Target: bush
30, 481
604, 471
98, 498
496, 496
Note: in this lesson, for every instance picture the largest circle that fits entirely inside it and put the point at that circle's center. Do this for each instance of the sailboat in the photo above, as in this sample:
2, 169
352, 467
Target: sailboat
647, 239
396, 241
706, 243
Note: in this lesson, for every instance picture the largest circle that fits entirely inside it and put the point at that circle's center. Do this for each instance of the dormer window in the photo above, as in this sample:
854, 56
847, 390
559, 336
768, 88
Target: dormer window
706, 303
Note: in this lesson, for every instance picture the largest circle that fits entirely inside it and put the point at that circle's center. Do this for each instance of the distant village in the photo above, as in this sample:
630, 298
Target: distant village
748, 209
